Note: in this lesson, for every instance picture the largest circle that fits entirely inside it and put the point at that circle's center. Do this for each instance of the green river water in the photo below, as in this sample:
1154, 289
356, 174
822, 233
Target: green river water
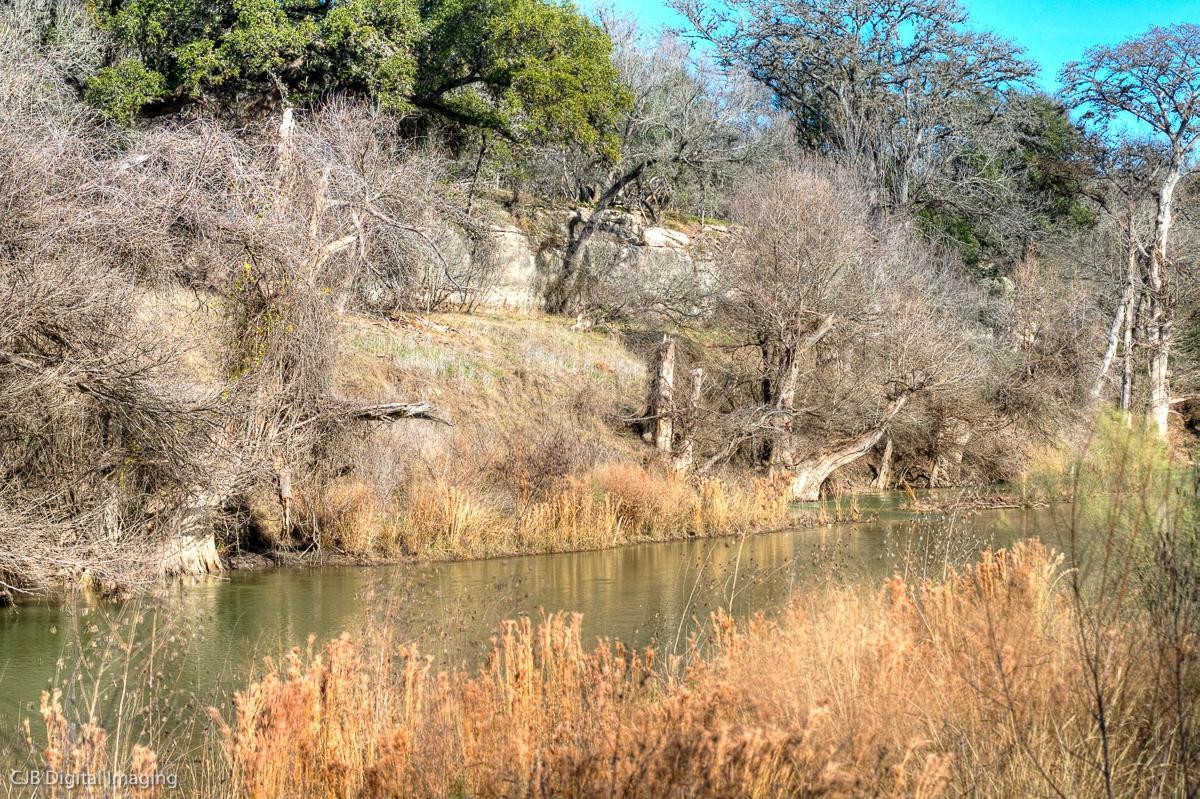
214, 631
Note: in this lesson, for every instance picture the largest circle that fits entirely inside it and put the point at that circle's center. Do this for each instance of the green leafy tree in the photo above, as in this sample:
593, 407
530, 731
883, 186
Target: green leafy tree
527, 69
238, 55
1004, 189
123, 89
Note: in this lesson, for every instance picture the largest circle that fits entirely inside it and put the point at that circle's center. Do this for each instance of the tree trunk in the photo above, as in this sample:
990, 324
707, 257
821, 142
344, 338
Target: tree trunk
953, 435
1158, 369
190, 555
1127, 379
1132, 319
285, 496
1161, 312
578, 238
191, 548
780, 455
883, 480
662, 396
1114, 339
686, 452
809, 476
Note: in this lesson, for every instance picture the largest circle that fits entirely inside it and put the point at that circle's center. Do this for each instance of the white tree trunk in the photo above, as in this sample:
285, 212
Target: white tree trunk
191, 555
883, 480
809, 475
662, 396
1160, 389
191, 547
1114, 339
682, 460
1161, 312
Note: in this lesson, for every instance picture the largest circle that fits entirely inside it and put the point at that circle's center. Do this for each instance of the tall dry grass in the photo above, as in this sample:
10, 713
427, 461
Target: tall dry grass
1026, 673
976, 685
609, 505
970, 686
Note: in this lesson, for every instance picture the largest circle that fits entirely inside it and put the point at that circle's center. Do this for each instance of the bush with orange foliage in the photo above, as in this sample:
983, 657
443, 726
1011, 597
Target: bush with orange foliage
969, 686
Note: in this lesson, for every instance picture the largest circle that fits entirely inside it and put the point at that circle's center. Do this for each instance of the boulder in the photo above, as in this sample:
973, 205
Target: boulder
664, 237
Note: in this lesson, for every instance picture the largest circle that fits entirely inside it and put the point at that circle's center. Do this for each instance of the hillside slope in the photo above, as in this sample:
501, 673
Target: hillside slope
539, 452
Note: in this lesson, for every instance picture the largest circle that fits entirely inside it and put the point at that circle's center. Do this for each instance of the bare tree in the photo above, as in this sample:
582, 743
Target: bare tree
102, 442
850, 317
1155, 79
683, 119
296, 225
116, 460
886, 86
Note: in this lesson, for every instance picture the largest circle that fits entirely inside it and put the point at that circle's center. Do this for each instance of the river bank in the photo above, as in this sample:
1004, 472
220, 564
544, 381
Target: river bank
905, 699
641, 593
907, 689
967, 655
546, 452
627, 525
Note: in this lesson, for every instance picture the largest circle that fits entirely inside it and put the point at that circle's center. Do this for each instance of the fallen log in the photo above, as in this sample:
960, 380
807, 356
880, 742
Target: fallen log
393, 411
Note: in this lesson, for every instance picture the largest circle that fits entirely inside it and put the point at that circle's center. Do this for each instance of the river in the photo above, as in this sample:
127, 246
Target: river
211, 633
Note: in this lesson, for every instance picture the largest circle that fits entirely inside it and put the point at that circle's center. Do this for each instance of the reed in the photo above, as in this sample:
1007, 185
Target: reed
1028, 672
611, 504
972, 685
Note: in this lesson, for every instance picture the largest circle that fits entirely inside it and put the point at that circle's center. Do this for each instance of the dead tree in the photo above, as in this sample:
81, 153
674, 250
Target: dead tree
883, 479
1155, 78
686, 451
662, 396
808, 475
849, 313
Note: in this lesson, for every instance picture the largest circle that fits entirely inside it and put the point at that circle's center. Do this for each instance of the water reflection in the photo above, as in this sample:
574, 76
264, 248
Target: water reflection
651, 593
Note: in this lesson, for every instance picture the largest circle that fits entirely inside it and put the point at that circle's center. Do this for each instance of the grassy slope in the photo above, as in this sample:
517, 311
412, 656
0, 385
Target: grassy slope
540, 456
490, 368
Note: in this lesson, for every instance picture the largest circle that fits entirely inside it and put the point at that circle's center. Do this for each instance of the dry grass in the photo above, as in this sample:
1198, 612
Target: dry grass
975, 685
538, 458
612, 504
967, 687
349, 517
83, 757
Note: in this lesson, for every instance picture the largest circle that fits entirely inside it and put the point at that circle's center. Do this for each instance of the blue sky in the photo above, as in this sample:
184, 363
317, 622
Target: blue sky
1051, 31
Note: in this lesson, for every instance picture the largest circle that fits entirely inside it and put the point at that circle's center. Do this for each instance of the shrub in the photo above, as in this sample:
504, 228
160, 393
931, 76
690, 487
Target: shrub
122, 91
968, 686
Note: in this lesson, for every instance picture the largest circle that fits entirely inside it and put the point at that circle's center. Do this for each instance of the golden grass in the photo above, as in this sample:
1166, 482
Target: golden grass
973, 686
612, 504
970, 687
84, 756
349, 517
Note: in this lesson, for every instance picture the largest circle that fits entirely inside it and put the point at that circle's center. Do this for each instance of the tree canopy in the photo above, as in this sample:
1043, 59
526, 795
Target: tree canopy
937, 114
525, 68
884, 83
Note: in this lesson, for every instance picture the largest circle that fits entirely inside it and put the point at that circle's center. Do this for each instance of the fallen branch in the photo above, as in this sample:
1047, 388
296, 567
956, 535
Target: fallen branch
391, 411
976, 502
385, 412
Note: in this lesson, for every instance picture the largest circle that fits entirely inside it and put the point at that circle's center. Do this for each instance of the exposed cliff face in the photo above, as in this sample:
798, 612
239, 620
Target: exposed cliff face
515, 262
519, 280
528, 255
